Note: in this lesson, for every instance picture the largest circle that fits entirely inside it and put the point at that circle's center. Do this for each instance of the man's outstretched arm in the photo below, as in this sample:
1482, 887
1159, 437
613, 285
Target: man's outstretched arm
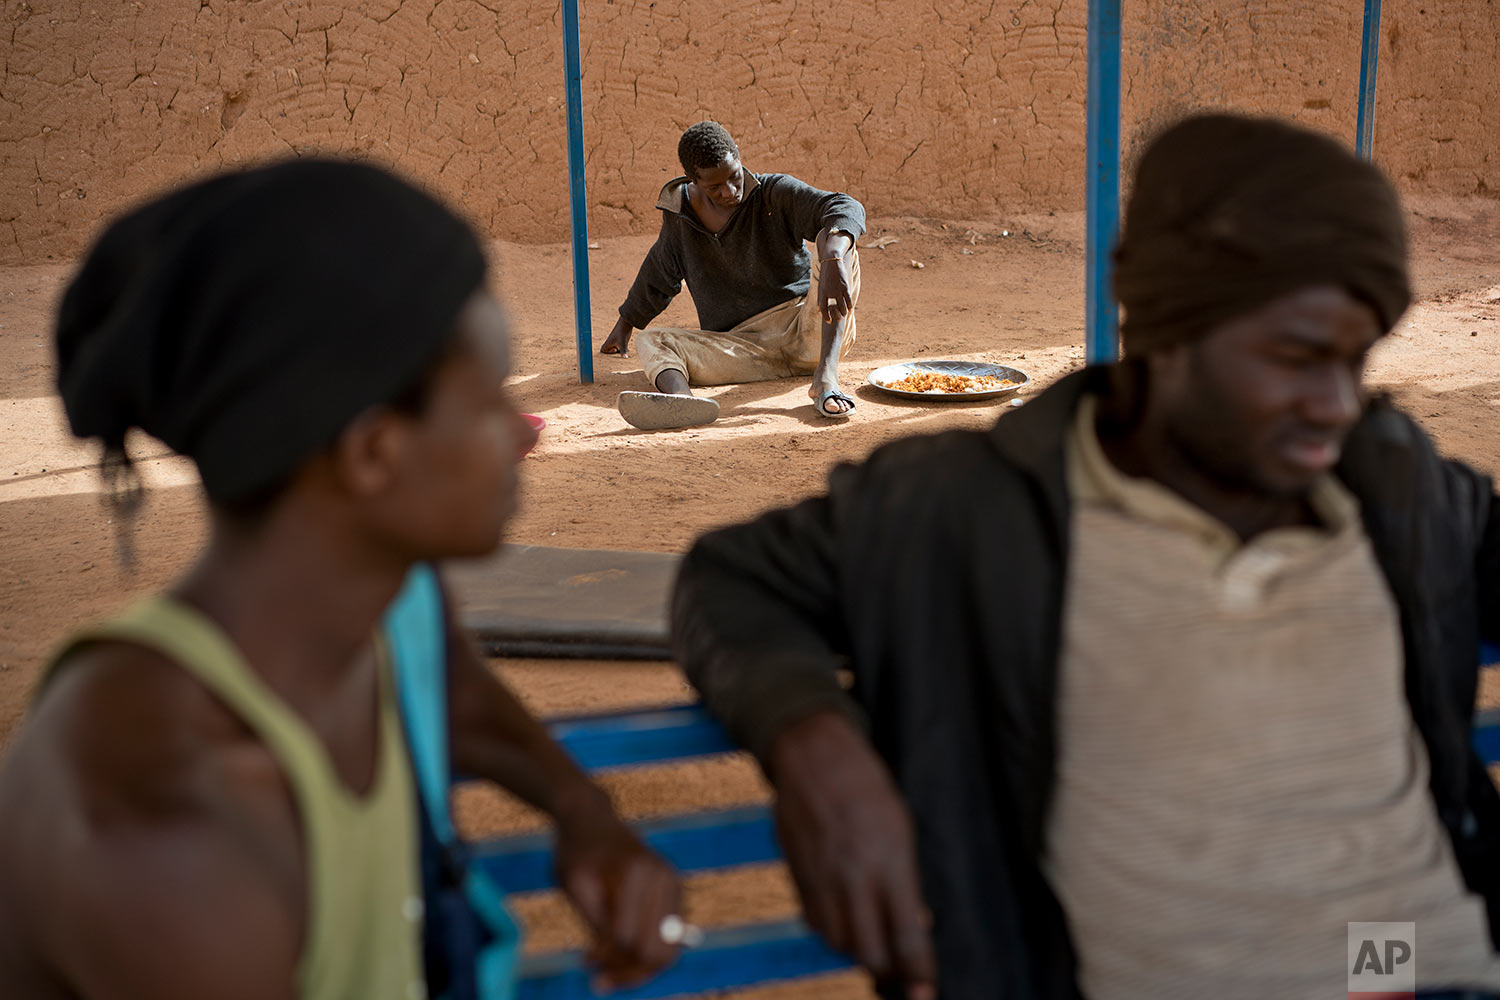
656, 284
758, 628
834, 287
757, 624
620, 887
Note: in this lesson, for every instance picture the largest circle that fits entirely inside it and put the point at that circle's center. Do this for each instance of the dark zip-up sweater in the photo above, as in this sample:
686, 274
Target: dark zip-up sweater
758, 260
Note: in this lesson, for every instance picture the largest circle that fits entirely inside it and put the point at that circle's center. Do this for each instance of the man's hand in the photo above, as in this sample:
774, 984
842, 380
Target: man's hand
618, 341
848, 841
836, 298
833, 275
622, 889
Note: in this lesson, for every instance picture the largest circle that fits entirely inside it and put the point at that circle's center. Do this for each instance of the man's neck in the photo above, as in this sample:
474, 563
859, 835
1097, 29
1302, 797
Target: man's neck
1141, 448
712, 217
300, 603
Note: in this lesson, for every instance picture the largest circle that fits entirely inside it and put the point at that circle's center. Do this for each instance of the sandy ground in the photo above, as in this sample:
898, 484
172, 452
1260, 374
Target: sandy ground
595, 482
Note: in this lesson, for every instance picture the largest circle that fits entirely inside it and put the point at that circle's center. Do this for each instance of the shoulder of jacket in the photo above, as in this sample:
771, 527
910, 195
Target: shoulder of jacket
1391, 461
669, 200
1389, 424
1386, 437
949, 462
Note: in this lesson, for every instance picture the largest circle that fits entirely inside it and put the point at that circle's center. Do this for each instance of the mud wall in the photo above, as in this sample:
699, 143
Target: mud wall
943, 108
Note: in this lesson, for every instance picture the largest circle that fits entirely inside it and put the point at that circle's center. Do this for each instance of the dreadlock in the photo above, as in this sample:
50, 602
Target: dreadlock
704, 146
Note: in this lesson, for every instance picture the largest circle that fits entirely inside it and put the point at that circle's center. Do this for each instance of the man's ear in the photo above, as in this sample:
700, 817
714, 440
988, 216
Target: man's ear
368, 454
1170, 368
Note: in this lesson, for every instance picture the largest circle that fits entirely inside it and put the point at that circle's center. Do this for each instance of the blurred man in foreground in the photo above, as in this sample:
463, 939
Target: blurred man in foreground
1168, 677
214, 794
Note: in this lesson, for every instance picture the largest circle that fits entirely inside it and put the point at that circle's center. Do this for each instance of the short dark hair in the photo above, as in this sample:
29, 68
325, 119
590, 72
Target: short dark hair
704, 146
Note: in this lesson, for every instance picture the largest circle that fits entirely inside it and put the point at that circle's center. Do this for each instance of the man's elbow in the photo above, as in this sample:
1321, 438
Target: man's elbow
690, 635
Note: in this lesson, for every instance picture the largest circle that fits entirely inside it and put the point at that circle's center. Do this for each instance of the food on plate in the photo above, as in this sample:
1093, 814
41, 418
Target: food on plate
937, 382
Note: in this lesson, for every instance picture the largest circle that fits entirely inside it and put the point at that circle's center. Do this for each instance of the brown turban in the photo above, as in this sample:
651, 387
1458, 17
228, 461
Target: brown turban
1229, 213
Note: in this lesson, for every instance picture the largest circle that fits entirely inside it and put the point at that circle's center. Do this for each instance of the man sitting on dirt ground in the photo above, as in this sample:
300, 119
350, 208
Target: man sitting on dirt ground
738, 239
1175, 666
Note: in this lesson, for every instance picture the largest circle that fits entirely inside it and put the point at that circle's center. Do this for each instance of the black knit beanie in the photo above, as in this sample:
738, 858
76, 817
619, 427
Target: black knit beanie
246, 319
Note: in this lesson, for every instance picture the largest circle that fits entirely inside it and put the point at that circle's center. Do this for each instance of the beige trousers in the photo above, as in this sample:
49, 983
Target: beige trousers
784, 340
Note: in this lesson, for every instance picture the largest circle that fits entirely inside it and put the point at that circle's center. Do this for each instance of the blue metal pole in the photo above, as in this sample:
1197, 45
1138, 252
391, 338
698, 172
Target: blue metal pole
573, 70
1369, 57
1103, 150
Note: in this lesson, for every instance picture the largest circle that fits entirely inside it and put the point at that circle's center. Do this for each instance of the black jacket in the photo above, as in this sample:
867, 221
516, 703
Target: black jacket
758, 260
935, 570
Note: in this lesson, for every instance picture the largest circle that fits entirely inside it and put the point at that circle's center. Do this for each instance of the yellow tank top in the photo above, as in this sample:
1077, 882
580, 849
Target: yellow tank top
364, 898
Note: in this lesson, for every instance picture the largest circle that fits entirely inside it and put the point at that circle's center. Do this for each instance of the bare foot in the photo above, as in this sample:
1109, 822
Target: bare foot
829, 400
837, 404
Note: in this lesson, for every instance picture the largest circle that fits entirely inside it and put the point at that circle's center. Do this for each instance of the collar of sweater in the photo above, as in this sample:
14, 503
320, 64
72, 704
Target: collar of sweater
674, 194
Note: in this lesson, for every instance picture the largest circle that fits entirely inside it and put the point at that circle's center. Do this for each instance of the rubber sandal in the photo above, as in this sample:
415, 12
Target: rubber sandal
656, 411
821, 405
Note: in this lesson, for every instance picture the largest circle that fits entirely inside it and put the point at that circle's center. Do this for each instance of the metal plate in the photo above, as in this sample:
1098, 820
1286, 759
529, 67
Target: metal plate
897, 372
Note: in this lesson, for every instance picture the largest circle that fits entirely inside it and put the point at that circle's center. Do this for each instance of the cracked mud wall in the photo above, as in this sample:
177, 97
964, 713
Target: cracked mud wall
945, 108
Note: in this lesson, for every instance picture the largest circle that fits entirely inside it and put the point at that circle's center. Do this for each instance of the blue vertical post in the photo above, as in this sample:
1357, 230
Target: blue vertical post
1369, 57
573, 71
1103, 200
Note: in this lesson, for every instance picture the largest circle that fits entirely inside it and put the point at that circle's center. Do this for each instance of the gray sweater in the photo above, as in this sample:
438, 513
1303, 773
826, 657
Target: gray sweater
758, 260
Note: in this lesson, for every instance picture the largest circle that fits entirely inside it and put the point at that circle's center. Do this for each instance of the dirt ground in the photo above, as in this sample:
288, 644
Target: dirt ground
595, 482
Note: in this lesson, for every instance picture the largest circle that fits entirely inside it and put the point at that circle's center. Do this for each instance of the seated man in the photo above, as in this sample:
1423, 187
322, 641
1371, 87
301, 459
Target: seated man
738, 238
1175, 666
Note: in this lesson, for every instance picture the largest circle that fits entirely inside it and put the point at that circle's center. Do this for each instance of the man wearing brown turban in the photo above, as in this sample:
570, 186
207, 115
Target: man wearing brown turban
1167, 678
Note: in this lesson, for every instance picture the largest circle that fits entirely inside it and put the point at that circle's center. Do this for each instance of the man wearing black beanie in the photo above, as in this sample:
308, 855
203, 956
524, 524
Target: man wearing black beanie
1167, 680
213, 795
